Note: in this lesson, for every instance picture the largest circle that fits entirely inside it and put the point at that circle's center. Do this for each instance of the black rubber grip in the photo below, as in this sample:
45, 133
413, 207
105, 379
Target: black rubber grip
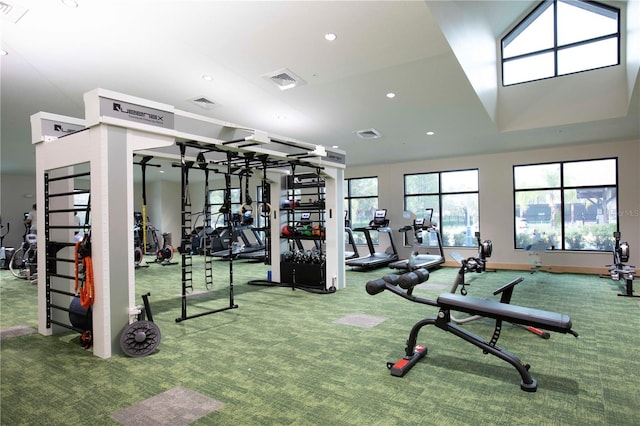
410, 279
374, 287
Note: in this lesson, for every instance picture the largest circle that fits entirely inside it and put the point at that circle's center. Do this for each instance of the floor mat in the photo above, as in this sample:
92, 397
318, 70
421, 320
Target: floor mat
361, 320
15, 331
176, 407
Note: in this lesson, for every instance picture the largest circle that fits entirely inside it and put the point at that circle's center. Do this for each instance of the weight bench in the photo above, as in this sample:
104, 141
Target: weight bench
448, 302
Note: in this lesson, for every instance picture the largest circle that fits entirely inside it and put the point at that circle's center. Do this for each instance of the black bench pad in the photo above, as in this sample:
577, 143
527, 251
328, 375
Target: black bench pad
546, 320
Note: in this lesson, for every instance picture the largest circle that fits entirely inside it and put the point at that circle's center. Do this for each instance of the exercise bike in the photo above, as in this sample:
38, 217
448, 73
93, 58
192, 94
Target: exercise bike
620, 256
138, 253
24, 263
165, 254
478, 265
618, 269
4, 262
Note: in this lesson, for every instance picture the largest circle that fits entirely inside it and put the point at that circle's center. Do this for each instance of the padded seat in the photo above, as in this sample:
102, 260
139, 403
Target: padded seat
552, 321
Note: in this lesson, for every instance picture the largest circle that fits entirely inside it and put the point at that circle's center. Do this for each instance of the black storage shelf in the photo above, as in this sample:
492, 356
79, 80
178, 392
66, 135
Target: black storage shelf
304, 237
310, 275
303, 205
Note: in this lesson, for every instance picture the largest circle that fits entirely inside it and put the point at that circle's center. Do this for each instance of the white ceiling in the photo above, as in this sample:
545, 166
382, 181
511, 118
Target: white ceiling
438, 57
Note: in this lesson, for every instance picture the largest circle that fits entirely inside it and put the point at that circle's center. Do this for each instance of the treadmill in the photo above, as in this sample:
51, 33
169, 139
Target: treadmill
350, 241
246, 239
432, 254
380, 223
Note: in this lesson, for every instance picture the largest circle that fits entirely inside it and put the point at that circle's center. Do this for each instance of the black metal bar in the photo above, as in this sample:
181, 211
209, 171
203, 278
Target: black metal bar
60, 259
69, 227
65, 194
46, 236
62, 276
70, 327
54, 179
183, 318
61, 308
64, 292
234, 141
67, 210
60, 245
147, 307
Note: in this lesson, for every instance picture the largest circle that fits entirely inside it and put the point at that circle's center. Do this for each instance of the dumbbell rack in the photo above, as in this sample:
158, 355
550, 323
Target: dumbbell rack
304, 194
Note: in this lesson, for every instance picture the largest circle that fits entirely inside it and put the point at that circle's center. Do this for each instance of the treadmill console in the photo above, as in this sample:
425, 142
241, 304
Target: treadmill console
380, 218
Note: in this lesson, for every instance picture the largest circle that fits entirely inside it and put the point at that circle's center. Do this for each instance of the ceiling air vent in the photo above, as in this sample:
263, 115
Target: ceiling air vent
203, 102
285, 79
11, 12
368, 134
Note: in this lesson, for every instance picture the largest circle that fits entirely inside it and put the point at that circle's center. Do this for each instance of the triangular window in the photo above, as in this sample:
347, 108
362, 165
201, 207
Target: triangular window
561, 37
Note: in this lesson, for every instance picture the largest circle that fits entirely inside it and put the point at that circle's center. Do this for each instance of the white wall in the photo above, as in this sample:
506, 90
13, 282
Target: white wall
496, 197
18, 194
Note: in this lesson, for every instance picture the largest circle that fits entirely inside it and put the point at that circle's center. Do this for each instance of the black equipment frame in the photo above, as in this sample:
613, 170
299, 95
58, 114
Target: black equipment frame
447, 302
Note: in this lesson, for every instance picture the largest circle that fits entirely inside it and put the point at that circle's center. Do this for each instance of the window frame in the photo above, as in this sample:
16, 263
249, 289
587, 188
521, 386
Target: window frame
556, 48
214, 208
440, 194
561, 188
348, 197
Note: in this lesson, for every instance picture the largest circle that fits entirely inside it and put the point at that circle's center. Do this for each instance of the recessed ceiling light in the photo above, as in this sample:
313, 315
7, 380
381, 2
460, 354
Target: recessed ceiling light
391, 95
3, 52
431, 133
330, 37
207, 77
70, 3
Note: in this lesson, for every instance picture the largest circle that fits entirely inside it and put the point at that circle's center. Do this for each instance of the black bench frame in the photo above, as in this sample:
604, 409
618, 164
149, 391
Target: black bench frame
448, 302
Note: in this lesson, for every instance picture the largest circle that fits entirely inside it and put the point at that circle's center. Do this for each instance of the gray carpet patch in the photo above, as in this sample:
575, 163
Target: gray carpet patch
15, 331
176, 407
361, 320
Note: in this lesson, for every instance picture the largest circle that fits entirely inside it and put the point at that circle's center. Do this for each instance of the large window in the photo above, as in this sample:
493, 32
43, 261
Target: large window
216, 201
453, 196
561, 37
361, 200
566, 206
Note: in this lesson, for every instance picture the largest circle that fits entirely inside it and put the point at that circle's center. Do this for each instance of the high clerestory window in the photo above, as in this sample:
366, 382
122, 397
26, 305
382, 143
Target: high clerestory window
561, 37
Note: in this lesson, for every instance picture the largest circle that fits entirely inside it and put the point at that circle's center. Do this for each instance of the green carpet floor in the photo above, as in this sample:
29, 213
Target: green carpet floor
285, 358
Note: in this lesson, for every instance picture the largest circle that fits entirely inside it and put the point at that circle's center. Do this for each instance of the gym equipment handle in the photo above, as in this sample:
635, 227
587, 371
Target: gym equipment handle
376, 286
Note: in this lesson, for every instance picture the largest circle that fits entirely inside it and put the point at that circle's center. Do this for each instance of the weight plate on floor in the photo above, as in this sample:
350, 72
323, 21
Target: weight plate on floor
140, 338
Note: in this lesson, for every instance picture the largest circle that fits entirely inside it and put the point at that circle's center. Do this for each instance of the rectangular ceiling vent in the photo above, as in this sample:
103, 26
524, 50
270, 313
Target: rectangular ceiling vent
368, 134
204, 102
11, 12
285, 79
